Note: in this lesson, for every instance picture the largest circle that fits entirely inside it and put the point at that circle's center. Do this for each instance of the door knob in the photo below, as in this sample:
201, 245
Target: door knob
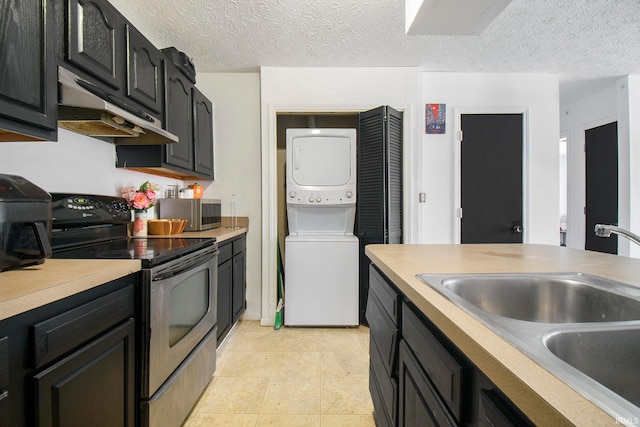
518, 229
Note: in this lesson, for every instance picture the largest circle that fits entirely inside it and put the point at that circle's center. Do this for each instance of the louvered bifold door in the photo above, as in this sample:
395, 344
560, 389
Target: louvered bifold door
379, 195
394, 176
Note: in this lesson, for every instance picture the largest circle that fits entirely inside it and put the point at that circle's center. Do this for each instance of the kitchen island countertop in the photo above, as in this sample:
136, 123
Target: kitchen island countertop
544, 398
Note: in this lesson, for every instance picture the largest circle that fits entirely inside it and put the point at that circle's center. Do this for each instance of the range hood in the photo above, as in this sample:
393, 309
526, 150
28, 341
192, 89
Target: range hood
87, 109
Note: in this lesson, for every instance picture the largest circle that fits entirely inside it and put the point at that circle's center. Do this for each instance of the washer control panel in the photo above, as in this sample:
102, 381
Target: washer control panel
321, 197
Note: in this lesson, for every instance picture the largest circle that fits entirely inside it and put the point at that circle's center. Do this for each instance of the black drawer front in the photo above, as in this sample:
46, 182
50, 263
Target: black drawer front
379, 410
56, 336
383, 333
443, 369
420, 404
226, 253
387, 385
386, 294
238, 246
496, 412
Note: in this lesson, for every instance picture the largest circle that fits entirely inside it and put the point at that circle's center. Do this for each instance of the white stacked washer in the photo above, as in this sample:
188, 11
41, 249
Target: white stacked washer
321, 252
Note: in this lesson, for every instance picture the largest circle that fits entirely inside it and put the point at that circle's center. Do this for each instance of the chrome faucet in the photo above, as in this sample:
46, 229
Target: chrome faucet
604, 230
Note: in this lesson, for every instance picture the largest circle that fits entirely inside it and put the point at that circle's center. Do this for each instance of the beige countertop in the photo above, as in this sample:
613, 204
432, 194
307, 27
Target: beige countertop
539, 394
31, 287
222, 233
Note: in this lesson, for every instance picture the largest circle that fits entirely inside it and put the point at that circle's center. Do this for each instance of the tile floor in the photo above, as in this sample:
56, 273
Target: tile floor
289, 377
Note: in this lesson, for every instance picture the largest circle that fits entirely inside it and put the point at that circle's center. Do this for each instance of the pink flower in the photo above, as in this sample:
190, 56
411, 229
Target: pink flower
141, 201
143, 198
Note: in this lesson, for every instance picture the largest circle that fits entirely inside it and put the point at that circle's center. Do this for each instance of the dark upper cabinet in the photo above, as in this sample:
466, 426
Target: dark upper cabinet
178, 117
144, 71
202, 133
189, 116
96, 42
28, 75
95, 39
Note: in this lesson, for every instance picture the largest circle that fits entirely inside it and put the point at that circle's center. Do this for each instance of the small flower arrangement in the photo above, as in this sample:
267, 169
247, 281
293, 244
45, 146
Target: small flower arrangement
143, 198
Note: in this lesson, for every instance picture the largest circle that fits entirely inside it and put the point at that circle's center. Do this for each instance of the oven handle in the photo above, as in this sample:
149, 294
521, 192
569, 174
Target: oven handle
185, 263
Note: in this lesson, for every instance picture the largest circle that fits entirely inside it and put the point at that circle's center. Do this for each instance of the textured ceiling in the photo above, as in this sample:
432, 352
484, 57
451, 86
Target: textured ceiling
587, 42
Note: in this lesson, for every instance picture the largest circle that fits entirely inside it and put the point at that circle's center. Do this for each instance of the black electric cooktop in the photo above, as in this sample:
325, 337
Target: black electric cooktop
94, 227
151, 251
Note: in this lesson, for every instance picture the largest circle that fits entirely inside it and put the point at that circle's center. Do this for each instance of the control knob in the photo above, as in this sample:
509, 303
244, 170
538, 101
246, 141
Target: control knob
349, 194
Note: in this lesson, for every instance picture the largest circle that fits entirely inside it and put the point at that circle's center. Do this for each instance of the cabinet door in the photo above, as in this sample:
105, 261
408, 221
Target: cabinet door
420, 404
5, 417
203, 133
28, 74
96, 39
225, 283
144, 69
94, 386
239, 287
178, 117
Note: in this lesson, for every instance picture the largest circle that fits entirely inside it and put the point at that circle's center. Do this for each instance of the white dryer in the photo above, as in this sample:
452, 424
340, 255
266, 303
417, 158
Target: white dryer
321, 252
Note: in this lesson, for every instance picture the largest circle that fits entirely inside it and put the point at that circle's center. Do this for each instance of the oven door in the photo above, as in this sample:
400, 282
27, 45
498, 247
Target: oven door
181, 311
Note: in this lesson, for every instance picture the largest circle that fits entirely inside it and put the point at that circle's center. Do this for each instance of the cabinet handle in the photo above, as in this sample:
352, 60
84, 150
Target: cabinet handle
4, 394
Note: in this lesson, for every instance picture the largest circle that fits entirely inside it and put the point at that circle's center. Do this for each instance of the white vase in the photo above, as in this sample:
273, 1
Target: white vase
139, 223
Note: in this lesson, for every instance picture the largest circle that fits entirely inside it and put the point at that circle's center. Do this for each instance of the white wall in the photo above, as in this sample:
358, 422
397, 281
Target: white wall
628, 94
534, 94
74, 163
594, 110
236, 106
329, 89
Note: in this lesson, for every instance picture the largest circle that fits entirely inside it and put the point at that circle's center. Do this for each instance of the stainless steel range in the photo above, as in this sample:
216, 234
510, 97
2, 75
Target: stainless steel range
177, 300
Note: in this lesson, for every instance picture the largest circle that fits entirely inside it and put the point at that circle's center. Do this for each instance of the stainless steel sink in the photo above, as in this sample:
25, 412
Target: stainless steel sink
610, 356
582, 328
566, 298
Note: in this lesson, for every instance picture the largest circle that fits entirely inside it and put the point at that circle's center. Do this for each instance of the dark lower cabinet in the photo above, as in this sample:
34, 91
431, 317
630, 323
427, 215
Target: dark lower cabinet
225, 288
420, 404
94, 386
72, 362
28, 73
231, 284
418, 377
239, 293
5, 418
383, 317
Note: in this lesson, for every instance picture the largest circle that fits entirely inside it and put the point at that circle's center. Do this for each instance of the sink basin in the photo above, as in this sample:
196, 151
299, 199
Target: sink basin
583, 329
609, 356
545, 298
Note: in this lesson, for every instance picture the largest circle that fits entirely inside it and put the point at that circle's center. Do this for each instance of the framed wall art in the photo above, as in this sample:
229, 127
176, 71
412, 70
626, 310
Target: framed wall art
435, 118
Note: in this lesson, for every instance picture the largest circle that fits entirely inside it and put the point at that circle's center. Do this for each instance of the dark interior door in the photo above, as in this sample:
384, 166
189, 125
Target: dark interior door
601, 170
491, 181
